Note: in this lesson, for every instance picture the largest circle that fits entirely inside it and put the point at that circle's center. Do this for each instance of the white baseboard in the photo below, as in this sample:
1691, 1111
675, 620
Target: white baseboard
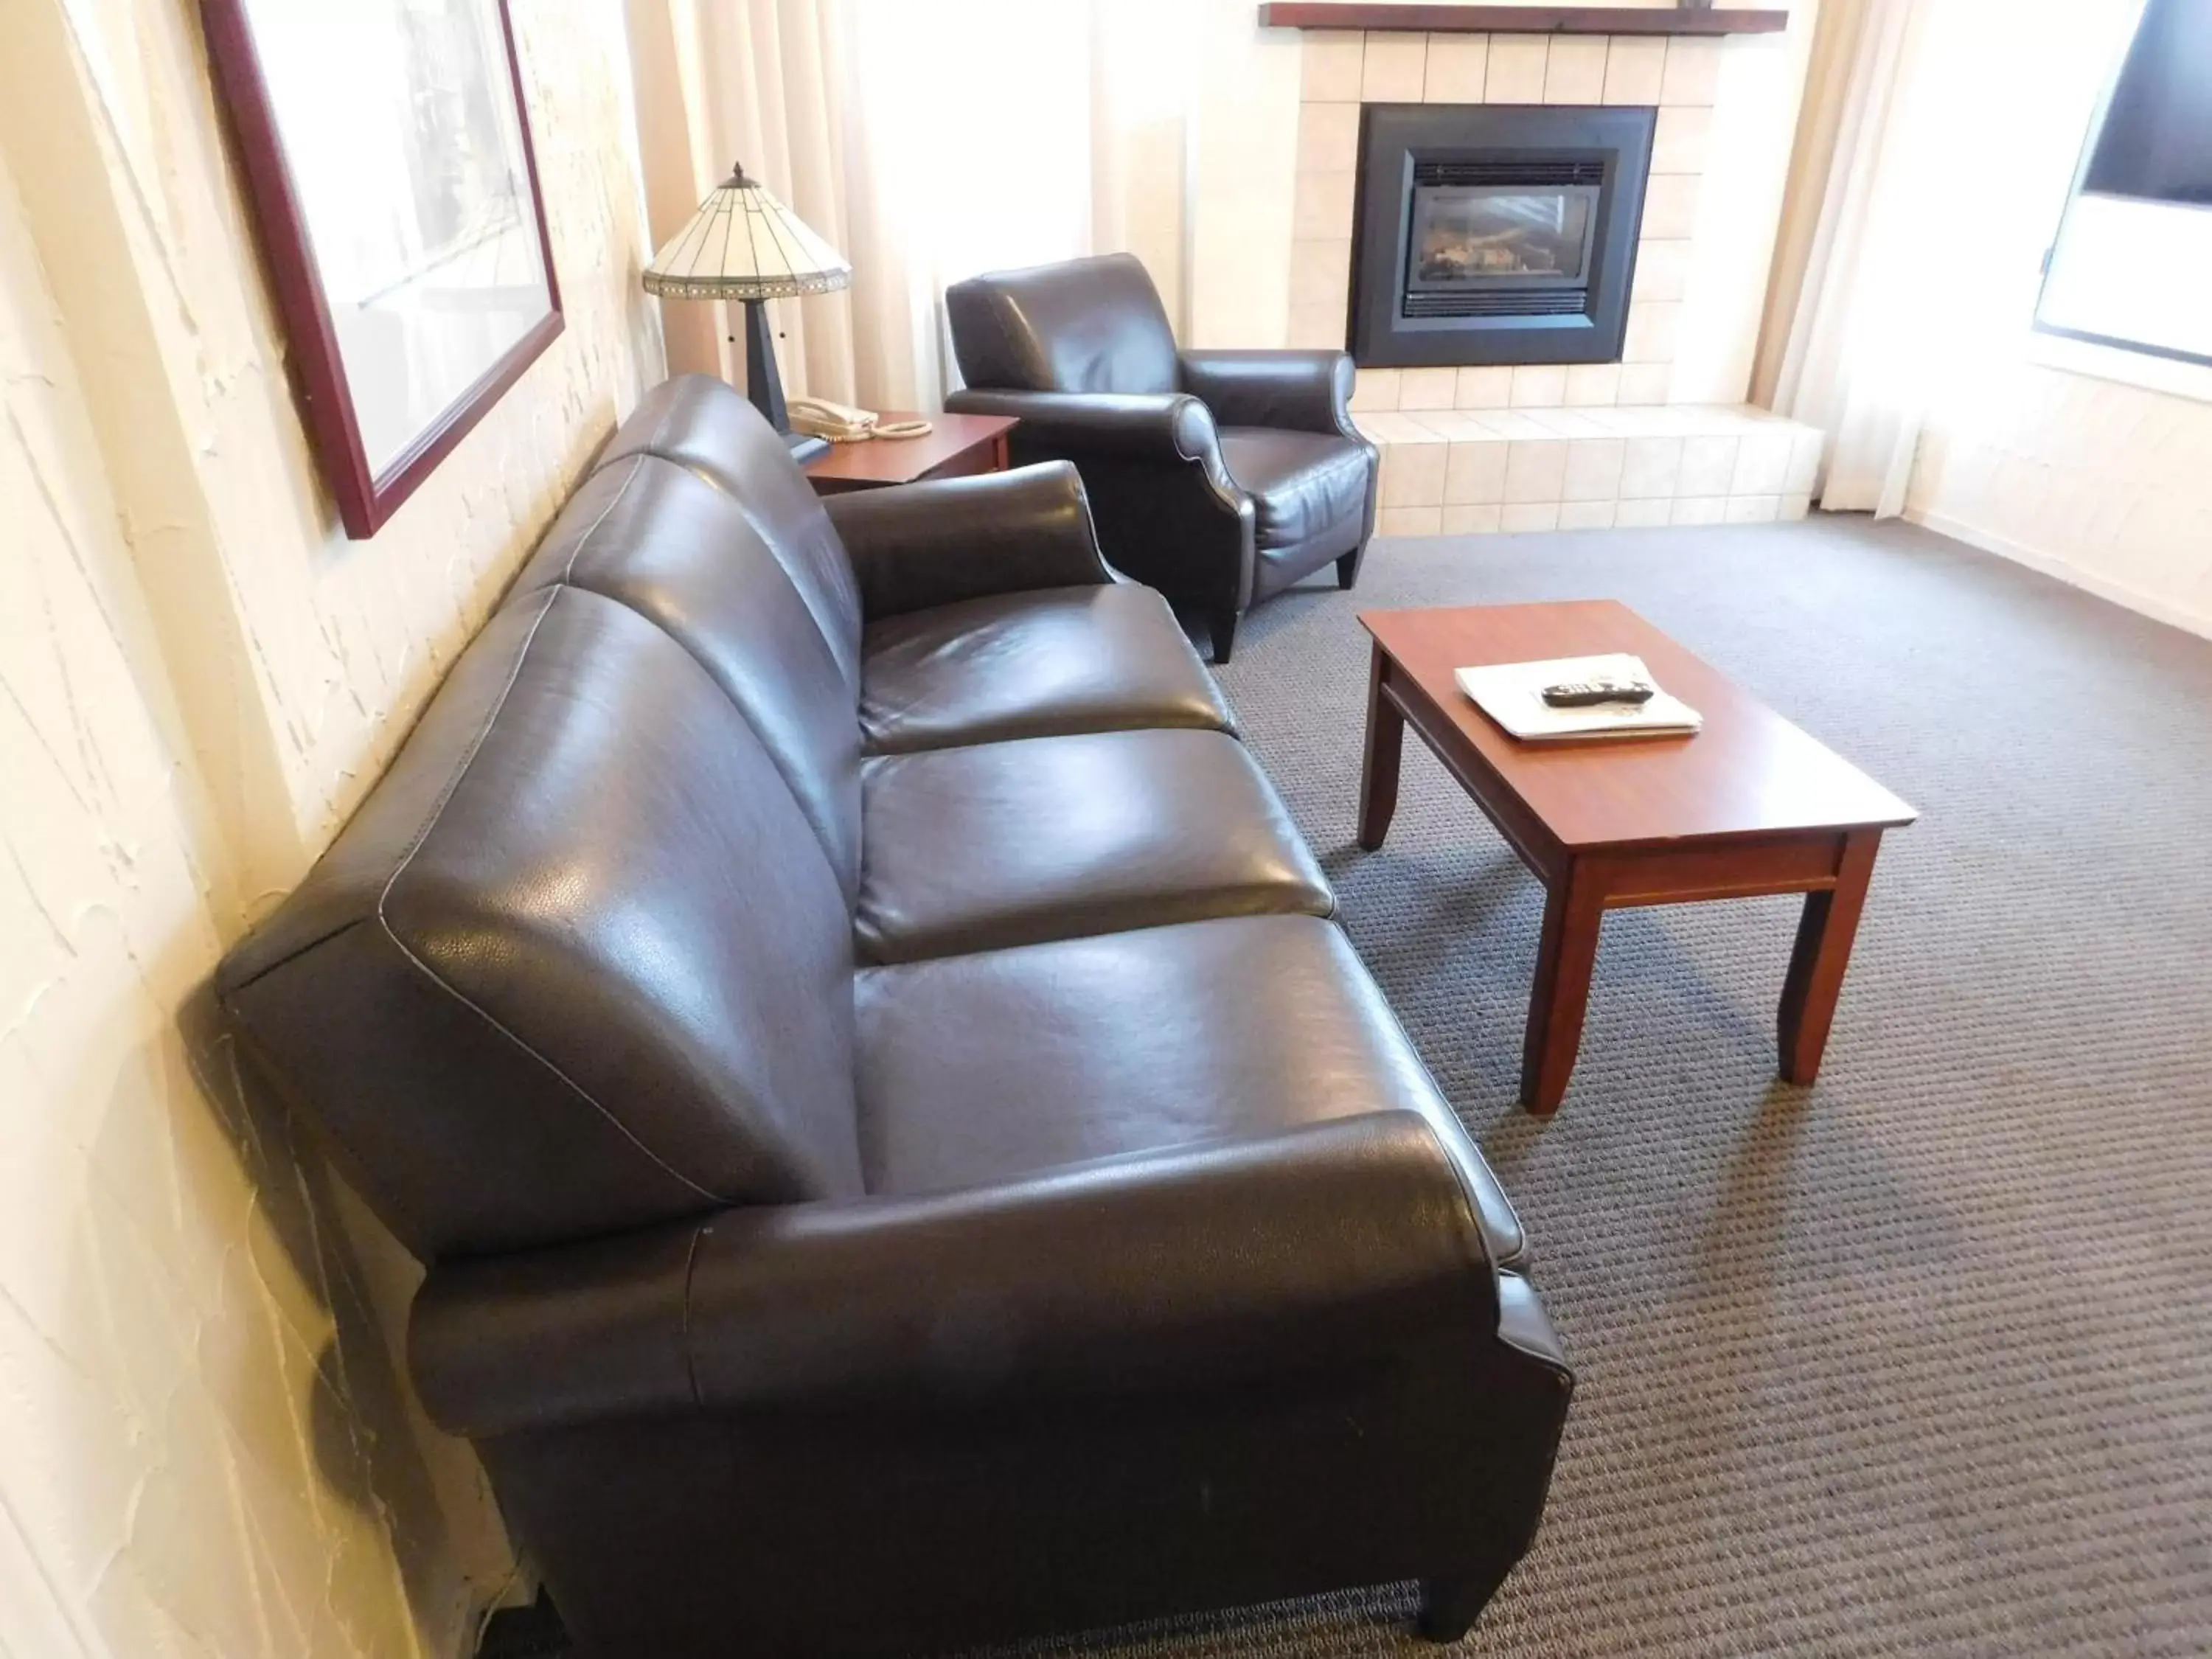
2120, 593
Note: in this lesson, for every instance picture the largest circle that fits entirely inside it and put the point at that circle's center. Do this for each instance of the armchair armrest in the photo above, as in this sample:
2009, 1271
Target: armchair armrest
1165, 426
1347, 1243
917, 545
1297, 390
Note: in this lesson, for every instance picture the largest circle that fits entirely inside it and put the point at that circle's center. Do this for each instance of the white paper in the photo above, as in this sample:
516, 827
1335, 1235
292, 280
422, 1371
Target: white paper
1512, 693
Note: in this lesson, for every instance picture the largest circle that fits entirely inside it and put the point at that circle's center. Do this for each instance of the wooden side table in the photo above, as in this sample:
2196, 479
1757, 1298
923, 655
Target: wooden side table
955, 446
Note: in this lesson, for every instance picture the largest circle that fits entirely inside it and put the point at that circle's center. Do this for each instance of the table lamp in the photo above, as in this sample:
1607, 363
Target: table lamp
742, 244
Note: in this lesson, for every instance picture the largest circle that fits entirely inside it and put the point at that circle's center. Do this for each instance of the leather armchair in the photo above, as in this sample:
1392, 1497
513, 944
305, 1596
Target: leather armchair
1218, 478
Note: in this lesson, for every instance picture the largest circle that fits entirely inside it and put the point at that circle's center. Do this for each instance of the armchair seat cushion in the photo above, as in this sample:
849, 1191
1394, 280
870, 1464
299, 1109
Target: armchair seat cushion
1303, 484
1106, 656
1135, 1043
1014, 843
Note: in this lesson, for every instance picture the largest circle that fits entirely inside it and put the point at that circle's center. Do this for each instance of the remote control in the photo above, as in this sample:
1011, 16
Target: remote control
1588, 694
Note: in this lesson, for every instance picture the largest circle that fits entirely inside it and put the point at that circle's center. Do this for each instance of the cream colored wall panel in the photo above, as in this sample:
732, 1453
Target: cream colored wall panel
1473, 520
1241, 181
1330, 69
1457, 68
1739, 209
1486, 386
1575, 69
1592, 385
1410, 521
1646, 383
1535, 471
1375, 388
1538, 386
1324, 207
1681, 139
1519, 64
1393, 68
1635, 69
208, 1449
1328, 137
1426, 388
1693, 69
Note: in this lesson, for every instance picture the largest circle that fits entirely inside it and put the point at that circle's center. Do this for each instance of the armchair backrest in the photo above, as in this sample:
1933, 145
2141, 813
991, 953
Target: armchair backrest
1092, 324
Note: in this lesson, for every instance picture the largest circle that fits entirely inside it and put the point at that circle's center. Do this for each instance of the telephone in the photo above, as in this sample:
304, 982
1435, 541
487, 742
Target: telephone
842, 424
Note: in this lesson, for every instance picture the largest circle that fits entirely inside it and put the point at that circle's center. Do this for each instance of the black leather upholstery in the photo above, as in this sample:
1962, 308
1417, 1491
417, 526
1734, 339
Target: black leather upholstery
579, 963
1108, 1255
1010, 843
692, 421
1089, 326
1040, 663
1161, 1037
1217, 476
660, 540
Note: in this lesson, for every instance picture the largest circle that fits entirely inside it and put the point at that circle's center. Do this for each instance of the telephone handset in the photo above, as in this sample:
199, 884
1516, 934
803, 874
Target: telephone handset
842, 423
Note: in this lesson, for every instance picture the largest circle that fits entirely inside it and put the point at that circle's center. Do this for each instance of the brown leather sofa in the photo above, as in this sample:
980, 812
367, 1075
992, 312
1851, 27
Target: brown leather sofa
1219, 477
903, 1155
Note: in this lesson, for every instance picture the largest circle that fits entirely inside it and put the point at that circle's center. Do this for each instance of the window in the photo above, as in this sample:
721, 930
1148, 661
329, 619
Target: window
2132, 265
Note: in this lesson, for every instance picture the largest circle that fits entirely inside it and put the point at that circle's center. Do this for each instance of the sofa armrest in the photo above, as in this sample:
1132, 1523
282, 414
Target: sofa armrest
1169, 427
917, 545
1348, 1243
1297, 390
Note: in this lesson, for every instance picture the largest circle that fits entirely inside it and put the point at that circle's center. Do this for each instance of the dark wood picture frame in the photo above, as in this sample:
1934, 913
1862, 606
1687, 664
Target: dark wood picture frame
365, 500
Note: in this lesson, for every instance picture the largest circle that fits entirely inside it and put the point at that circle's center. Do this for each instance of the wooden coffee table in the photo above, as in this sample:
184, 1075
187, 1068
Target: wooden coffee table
1749, 805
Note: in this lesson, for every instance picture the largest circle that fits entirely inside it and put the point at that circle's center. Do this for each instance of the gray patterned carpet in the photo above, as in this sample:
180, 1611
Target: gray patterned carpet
1918, 1360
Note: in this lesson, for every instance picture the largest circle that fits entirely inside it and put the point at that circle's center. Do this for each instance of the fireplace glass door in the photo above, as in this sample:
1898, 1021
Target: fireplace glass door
1483, 236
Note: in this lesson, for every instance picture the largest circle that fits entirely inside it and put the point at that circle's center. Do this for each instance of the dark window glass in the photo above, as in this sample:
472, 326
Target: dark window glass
2157, 138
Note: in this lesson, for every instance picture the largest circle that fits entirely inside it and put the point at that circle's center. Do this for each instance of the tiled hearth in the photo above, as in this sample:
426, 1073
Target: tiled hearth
1659, 438
1462, 472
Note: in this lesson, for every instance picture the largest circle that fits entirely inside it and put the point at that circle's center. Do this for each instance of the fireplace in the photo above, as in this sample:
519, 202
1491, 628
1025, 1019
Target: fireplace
1495, 234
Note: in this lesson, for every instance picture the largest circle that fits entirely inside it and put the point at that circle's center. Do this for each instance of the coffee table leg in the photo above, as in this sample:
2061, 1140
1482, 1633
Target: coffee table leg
1825, 933
1378, 771
1573, 911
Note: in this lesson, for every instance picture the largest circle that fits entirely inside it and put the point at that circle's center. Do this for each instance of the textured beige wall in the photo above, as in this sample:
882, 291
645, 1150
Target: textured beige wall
2105, 484
206, 1447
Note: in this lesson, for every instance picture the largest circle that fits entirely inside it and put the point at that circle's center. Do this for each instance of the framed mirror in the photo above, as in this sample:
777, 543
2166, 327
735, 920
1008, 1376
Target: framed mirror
388, 155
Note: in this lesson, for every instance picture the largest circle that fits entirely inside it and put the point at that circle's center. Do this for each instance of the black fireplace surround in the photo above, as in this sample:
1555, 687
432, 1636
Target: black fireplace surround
1495, 233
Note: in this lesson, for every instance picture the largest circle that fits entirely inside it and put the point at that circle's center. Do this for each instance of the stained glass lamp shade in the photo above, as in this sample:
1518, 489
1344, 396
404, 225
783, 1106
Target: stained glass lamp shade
744, 244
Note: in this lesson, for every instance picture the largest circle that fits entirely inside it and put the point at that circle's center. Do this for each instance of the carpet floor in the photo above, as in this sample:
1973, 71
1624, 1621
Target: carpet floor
1918, 1360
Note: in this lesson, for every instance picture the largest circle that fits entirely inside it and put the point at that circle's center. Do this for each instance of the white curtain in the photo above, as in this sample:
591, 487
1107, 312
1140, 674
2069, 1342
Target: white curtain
927, 140
1847, 344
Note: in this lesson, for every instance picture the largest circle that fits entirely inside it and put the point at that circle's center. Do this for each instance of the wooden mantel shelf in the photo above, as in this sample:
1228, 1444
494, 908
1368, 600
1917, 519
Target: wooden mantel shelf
1522, 20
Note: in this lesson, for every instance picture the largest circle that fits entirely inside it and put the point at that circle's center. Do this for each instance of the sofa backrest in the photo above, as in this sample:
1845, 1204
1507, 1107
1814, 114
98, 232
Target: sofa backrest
681, 552
1090, 325
578, 965
703, 425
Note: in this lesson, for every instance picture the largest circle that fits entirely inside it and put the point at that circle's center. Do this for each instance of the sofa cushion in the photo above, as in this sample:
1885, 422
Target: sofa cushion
663, 541
1301, 483
981, 1068
704, 425
1104, 657
578, 963
1008, 843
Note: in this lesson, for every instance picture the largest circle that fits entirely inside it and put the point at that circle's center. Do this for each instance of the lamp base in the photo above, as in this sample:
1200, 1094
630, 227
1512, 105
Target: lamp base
764, 385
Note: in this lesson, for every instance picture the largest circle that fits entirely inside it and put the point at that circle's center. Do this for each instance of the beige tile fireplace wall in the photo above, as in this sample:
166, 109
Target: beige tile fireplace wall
1728, 107
1661, 437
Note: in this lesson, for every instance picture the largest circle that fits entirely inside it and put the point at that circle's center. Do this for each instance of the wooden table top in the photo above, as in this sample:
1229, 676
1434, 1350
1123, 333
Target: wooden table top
902, 460
1749, 772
